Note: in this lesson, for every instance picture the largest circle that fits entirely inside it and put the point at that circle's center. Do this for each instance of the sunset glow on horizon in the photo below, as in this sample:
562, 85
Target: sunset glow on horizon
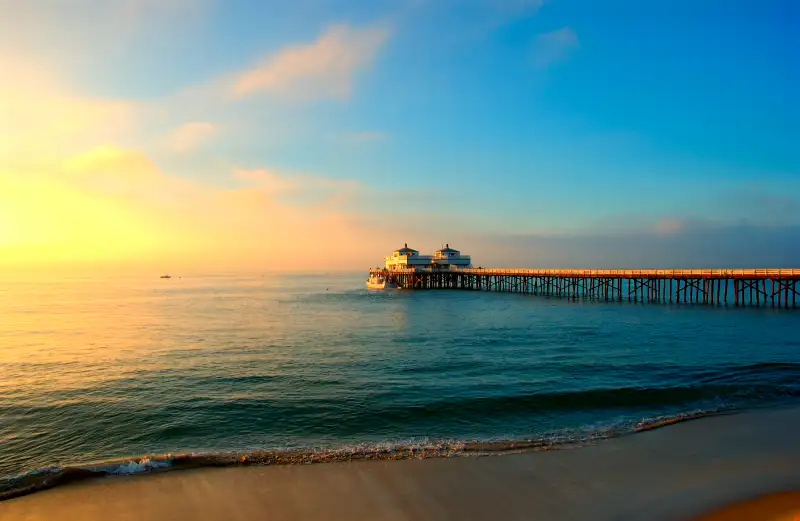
262, 136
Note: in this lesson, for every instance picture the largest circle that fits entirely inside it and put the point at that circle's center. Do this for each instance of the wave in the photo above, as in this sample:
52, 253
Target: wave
709, 390
52, 477
501, 406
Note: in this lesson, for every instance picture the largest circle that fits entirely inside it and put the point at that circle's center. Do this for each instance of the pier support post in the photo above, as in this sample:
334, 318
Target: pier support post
786, 295
772, 284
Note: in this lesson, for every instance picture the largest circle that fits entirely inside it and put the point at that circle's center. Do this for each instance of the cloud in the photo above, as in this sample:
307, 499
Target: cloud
111, 161
131, 178
322, 69
553, 47
42, 117
115, 207
190, 136
300, 189
114, 171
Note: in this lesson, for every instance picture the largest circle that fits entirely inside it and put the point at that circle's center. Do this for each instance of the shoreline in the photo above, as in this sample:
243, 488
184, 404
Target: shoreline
150, 464
680, 472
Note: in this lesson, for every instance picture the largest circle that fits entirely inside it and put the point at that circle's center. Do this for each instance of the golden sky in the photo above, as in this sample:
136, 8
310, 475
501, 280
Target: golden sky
111, 206
79, 188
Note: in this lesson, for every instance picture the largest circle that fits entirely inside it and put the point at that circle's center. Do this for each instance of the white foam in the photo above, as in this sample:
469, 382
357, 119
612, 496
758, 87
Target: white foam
143, 465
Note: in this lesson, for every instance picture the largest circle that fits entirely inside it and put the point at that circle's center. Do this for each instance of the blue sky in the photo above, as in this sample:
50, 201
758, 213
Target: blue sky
653, 95
468, 118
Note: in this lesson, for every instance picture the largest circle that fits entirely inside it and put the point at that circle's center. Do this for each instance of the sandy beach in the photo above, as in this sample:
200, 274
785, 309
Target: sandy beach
684, 471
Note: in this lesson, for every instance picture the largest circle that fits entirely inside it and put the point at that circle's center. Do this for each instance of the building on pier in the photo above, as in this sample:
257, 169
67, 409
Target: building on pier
447, 257
406, 258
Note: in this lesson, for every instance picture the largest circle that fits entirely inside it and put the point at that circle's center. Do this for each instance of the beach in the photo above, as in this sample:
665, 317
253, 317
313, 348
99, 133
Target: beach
677, 472
413, 260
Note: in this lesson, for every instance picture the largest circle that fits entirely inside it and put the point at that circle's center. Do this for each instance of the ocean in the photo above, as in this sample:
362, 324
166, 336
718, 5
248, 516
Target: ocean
129, 374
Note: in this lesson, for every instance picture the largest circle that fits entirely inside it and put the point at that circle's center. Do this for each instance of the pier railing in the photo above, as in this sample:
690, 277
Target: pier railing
769, 273
674, 273
775, 287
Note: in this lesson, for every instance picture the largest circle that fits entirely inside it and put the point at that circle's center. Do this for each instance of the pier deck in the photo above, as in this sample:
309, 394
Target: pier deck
737, 287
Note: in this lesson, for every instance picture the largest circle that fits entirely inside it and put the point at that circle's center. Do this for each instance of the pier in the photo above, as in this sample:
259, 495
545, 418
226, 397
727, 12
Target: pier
714, 287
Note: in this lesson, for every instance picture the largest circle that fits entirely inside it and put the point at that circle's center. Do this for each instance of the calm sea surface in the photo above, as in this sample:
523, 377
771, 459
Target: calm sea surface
94, 370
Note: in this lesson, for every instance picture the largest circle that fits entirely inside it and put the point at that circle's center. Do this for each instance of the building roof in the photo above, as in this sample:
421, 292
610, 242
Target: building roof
406, 249
448, 249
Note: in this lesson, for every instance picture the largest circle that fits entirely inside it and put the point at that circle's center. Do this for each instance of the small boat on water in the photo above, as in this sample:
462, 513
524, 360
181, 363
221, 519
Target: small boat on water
166, 276
378, 281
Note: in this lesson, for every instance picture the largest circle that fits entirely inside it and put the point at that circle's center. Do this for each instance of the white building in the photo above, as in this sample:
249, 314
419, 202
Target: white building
405, 258
409, 258
447, 257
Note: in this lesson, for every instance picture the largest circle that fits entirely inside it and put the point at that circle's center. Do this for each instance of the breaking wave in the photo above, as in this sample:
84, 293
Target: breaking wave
55, 476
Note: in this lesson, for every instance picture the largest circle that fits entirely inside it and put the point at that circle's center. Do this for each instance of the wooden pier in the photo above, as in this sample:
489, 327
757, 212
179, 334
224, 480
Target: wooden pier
715, 287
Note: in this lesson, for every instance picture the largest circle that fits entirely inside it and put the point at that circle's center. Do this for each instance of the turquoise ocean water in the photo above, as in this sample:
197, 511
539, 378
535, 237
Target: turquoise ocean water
100, 373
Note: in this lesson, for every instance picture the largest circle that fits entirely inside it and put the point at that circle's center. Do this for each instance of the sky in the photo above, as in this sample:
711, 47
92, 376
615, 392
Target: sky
180, 135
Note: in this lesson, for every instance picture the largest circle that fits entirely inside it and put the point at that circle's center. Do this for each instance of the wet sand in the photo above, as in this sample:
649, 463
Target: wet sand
680, 472
784, 506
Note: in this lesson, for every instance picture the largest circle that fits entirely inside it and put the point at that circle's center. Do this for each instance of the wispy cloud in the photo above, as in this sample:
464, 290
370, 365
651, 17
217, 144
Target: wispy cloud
42, 117
190, 136
555, 46
110, 161
322, 69
117, 206
300, 189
